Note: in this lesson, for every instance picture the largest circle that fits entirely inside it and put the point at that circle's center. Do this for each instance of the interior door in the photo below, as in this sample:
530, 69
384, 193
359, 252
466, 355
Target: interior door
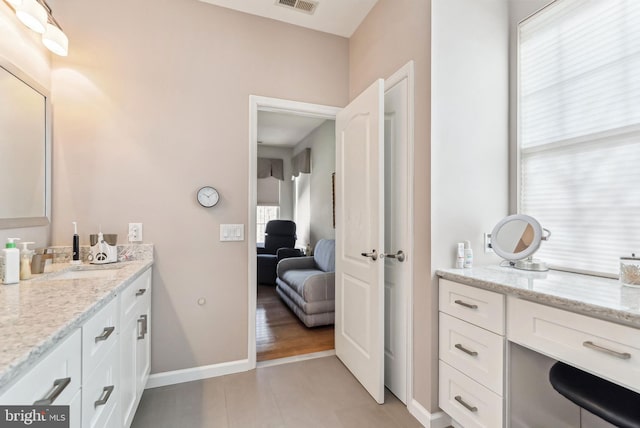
359, 325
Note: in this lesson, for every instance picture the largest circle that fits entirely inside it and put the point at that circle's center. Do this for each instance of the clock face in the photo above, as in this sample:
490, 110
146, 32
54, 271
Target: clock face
208, 196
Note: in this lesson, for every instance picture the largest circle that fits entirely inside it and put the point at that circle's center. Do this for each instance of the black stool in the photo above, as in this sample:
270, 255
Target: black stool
613, 403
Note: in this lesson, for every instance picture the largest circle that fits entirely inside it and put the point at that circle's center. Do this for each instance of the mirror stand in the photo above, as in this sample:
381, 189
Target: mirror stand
531, 264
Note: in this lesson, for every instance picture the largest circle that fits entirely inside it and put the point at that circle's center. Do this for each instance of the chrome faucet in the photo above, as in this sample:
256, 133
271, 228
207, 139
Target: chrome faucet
39, 260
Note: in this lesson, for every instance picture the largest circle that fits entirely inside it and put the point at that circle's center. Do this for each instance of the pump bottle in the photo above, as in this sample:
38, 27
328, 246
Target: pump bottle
25, 260
11, 269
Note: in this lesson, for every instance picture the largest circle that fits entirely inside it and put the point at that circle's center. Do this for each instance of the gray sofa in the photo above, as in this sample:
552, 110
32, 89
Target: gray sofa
307, 284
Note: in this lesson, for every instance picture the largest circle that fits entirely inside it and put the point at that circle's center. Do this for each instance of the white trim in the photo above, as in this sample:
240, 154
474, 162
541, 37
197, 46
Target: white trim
407, 72
296, 358
196, 373
428, 420
258, 103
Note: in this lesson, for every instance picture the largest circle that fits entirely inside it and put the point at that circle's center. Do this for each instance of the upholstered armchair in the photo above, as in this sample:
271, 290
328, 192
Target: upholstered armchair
279, 242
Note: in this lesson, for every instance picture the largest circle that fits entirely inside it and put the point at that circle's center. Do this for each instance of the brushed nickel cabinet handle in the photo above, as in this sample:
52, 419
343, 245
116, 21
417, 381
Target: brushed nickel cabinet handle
105, 334
58, 386
622, 355
104, 397
142, 327
465, 350
465, 304
467, 406
140, 292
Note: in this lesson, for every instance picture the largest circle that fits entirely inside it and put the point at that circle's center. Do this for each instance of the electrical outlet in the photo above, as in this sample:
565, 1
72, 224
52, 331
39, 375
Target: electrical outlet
135, 232
487, 243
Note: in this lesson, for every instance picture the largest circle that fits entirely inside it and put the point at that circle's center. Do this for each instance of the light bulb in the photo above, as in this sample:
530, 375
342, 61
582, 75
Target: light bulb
55, 40
33, 15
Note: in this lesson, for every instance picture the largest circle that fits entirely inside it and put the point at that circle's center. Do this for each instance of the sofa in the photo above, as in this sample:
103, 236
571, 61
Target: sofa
307, 284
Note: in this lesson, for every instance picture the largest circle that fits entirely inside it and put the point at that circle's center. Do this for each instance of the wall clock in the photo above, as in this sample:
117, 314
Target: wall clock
208, 196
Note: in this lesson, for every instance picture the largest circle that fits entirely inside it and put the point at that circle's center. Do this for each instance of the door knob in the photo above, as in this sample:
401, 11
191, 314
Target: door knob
400, 256
373, 255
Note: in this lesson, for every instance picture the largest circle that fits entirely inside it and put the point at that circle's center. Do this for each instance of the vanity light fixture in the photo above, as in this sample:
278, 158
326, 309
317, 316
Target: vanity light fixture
37, 15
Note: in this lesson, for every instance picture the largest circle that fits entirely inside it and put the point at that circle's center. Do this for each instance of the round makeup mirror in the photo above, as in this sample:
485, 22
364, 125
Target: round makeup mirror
516, 238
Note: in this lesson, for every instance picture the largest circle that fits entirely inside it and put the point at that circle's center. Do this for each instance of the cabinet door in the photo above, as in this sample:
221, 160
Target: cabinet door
143, 353
128, 386
100, 392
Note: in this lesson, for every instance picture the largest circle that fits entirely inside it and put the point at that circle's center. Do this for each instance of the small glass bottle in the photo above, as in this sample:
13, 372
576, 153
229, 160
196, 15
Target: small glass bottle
630, 271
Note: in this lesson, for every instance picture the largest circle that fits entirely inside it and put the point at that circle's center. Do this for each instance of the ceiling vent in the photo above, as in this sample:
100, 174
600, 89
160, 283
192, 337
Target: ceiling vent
306, 6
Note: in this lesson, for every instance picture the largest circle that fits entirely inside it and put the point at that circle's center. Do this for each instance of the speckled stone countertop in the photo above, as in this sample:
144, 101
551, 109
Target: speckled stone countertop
36, 314
594, 296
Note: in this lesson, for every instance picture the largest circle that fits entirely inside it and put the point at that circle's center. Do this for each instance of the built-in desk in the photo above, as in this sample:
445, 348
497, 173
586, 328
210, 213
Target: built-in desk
491, 318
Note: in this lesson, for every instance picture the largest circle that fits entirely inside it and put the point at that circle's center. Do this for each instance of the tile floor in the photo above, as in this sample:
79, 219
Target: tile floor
312, 393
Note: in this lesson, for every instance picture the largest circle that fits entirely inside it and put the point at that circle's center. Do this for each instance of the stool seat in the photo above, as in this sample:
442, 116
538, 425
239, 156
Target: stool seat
613, 403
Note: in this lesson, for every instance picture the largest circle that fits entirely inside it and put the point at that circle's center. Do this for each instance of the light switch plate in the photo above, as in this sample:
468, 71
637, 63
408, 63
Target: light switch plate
232, 232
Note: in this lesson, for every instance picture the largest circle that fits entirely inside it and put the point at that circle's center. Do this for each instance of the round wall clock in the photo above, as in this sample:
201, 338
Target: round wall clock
208, 196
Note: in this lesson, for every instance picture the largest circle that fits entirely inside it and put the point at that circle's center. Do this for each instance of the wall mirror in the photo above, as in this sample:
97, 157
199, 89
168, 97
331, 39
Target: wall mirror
516, 238
25, 150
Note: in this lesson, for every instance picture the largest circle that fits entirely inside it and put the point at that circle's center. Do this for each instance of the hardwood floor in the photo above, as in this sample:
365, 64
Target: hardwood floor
279, 332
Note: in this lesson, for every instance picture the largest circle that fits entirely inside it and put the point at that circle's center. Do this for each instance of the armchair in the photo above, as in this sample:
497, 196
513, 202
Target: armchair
280, 238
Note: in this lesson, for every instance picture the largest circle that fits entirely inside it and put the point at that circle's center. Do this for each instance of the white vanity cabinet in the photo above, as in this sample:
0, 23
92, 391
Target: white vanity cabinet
135, 344
55, 380
471, 351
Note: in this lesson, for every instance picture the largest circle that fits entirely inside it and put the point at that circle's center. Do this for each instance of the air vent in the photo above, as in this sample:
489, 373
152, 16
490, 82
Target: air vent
306, 6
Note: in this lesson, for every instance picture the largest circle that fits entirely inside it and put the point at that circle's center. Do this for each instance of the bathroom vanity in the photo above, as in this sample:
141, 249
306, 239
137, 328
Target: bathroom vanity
78, 336
493, 320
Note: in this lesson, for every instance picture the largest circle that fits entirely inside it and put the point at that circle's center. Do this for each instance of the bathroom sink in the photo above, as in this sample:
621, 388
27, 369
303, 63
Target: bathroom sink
87, 272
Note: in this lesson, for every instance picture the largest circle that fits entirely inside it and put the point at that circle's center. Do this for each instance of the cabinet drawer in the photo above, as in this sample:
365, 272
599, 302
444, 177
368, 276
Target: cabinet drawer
606, 349
56, 375
480, 307
99, 334
468, 402
476, 352
100, 392
138, 291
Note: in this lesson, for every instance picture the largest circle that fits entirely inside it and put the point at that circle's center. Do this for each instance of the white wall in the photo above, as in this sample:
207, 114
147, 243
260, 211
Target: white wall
315, 207
23, 49
469, 179
286, 186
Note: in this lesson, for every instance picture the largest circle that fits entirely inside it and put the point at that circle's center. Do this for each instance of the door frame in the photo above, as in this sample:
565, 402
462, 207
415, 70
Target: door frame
260, 103
277, 105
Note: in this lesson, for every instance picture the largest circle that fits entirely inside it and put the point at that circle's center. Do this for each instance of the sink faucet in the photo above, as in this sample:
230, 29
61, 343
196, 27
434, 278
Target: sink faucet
38, 261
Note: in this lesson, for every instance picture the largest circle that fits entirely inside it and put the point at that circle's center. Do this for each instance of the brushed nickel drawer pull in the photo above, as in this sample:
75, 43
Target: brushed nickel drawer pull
142, 322
105, 334
622, 355
58, 386
466, 405
104, 397
466, 305
140, 292
465, 350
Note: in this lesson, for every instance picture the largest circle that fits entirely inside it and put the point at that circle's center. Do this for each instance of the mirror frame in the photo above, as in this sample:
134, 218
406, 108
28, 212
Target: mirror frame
535, 245
14, 223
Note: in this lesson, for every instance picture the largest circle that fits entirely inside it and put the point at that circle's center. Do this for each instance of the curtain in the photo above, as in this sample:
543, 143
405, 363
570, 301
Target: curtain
302, 163
271, 168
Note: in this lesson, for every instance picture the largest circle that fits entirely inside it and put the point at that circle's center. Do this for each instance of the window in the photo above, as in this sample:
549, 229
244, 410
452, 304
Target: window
579, 131
264, 214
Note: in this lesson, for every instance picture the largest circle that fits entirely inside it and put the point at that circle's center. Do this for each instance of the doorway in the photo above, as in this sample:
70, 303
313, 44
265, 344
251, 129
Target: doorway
398, 320
295, 193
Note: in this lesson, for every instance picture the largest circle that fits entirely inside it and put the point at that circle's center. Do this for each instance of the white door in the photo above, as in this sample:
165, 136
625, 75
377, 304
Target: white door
359, 325
396, 238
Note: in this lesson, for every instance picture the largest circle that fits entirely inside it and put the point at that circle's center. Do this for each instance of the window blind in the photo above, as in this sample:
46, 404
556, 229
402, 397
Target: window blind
579, 130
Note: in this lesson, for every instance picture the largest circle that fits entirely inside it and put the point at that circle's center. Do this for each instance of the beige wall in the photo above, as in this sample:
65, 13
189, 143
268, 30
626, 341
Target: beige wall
23, 49
317, 185
395, 32
151, 104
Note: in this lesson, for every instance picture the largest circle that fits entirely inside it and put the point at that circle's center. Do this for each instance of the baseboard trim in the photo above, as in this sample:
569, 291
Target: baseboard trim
428, 420
197, 373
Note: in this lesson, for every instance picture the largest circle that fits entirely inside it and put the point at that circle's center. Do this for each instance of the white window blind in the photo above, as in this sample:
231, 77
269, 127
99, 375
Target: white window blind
579, 130
268, 191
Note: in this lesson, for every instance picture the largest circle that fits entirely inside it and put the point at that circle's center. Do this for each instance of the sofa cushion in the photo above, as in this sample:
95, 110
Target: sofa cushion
325, 255
309, 319
317, 307
311, 284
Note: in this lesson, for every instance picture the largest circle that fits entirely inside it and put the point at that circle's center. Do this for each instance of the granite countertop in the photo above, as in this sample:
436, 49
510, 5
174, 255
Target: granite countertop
36, 314
594, 296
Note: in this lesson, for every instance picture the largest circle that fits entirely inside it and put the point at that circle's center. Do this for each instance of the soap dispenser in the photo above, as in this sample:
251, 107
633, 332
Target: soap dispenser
11, 269
25, 260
